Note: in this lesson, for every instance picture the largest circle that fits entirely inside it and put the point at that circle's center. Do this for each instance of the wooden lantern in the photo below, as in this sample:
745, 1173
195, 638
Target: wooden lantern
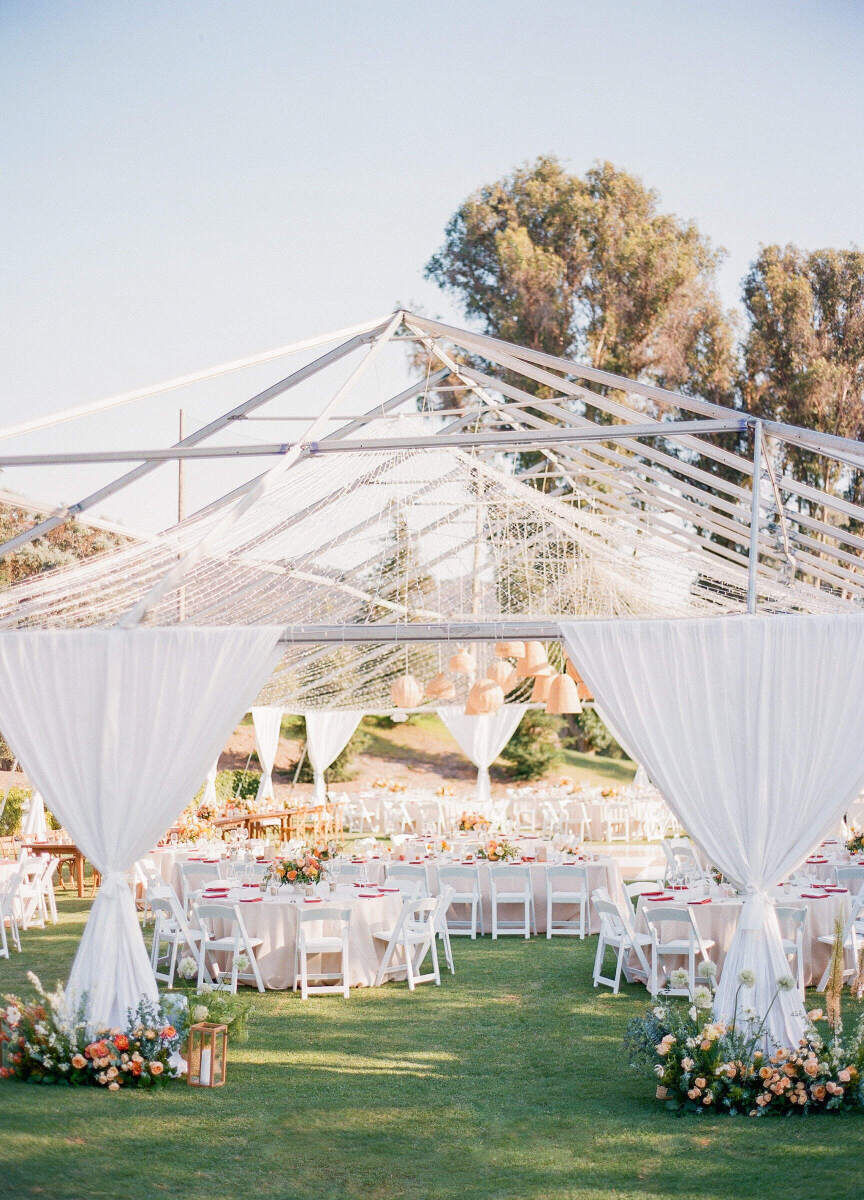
463, 663
484, 697
406, 692
208, 1054
542, 682
500, 673
440, 687
510, 649
563, 696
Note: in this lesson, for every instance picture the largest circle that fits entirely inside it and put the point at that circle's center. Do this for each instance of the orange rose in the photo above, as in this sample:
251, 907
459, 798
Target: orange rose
79, 1061
168, 1032
292, 875
121, 1041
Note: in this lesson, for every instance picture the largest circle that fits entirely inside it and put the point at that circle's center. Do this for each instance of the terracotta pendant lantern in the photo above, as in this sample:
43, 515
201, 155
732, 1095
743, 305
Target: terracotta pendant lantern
543, 677
510, 649
582, 688
499, 672
440, 687
563, 696
534, 659
484, 697
406, 692
463, 663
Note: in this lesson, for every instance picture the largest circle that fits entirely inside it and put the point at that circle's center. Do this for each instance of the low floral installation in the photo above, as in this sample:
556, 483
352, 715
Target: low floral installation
236, 1010
472, 822
305, 868
43, 1043
700, 1065
498, 850
191, 827
855, 844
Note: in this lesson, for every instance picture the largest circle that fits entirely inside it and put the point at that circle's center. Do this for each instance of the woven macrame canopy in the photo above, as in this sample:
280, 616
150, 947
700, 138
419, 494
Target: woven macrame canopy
547, 489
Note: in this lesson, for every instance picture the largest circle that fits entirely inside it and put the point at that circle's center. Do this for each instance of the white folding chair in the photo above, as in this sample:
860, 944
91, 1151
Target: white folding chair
510, 883
445, 899
792, 920
8, 907
616, 823
411, 881
235, 943
464, 885
171, 928
414, 936
567, 885
616, 933
639, 887
31, 908
349, 872
320, 942
689, 941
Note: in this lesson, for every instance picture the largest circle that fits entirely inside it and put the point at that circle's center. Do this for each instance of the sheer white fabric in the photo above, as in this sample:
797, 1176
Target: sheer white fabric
116, 727
481, 739
208, 796
327, 735
753, 730
34, 823
267, 721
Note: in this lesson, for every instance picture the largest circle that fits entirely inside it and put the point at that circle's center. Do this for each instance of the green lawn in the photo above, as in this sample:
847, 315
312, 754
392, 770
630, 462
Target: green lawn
509, 1082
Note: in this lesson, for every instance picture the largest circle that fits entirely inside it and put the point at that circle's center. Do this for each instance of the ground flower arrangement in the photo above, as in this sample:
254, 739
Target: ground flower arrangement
43, 1043
700, 1065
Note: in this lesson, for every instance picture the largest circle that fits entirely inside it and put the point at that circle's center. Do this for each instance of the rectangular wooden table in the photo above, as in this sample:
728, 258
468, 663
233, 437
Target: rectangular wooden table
62, 850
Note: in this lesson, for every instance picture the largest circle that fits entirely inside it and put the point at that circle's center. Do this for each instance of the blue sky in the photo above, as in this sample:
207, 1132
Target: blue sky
182, 183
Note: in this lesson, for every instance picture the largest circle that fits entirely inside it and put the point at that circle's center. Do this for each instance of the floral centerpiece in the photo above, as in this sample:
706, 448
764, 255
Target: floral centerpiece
855, 844
327, 852
608, 792
303, 869
43, 1043
471, 822
700, 1064
445, 790
390, 785
498, 850
192, 828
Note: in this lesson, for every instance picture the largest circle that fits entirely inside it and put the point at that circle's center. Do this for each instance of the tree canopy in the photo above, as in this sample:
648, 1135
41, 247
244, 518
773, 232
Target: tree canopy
589, 266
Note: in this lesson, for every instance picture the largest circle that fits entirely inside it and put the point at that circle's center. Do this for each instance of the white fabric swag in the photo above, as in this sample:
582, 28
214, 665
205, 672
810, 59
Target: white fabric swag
209, 796
481, 739
327, 735
34, 823
267, 722
753, 729
116, 728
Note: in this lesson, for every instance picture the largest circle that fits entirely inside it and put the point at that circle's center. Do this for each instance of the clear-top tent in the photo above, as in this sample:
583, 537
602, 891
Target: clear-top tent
547, 489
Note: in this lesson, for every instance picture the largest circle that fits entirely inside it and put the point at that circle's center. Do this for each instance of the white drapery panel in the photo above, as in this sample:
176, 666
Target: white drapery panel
34, 823
208, 796
327, 735
267, 721
753, 730
116, 727
482, 738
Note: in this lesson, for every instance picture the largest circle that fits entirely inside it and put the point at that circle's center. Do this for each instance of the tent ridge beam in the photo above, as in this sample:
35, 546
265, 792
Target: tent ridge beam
460, 631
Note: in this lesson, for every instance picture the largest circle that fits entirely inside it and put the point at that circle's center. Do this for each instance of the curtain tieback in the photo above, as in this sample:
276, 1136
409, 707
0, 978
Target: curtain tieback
114, 881
757, 904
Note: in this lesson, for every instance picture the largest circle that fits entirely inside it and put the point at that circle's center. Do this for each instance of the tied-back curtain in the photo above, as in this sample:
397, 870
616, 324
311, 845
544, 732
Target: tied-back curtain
34, 823
481, 739
327, 735
267, 722
116, 728
753, 730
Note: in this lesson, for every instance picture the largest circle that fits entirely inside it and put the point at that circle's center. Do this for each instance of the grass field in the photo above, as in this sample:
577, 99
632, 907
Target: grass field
509, 1081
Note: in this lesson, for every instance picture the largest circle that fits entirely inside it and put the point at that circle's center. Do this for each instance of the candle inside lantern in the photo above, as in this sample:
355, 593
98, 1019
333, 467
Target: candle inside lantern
206, 1075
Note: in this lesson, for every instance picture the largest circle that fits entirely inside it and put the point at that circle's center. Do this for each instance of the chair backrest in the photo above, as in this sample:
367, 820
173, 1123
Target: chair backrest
420, 912
207, 912
793, 916
502, 876
611, 919
640, 886
575, 877
457, 876
851, 877
347, 871
657, 915
332, 913
406, 871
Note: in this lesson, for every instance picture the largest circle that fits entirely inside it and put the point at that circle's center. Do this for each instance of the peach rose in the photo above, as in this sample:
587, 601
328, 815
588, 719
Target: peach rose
845, 1075
79, 1061
113, 1086
694, 1093
156, 1068
701, 1081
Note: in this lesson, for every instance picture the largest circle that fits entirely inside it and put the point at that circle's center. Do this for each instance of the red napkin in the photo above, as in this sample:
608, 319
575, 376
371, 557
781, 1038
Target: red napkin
311, 899
209, 860
528, 858
250, 885
416, 862
679, 887
707, 900
817, 860
252, 900
653, 896
382, 890
368, 895
814, 896
835, 891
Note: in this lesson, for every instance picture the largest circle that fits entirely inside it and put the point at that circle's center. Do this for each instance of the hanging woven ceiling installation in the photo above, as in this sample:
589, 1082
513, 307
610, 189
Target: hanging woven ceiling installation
480, 512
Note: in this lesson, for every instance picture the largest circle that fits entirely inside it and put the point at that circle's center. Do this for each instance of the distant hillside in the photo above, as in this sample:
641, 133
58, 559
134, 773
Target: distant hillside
68, 543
